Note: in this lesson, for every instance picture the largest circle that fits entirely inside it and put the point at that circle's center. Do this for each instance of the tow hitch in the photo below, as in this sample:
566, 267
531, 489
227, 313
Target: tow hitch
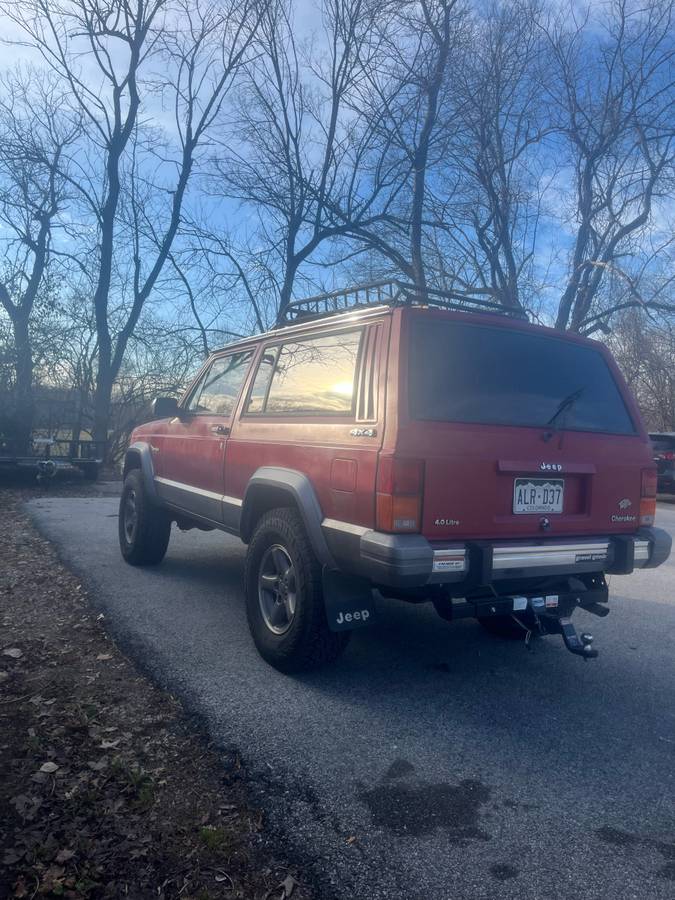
581, 644
548, 612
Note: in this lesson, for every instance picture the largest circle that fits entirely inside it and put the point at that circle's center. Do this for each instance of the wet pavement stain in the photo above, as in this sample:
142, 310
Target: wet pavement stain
504, 871
399, 769
619, 838
616, 836
668, 872
419, 808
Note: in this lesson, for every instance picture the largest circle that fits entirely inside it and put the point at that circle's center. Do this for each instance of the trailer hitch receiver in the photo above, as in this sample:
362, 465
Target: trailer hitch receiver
582, 644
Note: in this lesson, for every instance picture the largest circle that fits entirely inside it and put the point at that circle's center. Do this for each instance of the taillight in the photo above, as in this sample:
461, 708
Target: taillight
669, 455
648, 497
398, 500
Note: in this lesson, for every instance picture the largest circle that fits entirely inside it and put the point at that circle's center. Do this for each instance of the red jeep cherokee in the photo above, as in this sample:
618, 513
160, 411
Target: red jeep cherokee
496, 468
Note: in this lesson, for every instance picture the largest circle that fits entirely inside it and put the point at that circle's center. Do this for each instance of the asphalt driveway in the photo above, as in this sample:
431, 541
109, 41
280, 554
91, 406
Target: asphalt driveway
433, 762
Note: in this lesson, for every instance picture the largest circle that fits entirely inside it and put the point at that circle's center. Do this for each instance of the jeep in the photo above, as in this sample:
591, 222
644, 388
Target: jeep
418, 446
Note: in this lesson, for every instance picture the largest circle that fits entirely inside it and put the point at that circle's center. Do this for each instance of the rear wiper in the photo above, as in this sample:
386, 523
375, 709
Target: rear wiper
566, 404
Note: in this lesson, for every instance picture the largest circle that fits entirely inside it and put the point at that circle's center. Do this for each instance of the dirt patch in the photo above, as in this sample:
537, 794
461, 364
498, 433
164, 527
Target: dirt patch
108, 789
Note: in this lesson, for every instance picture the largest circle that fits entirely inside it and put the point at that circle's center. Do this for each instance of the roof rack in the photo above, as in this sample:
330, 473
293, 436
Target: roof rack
391, 292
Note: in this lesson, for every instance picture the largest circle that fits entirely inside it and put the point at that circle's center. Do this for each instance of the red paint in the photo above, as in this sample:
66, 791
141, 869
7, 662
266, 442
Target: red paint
468, 469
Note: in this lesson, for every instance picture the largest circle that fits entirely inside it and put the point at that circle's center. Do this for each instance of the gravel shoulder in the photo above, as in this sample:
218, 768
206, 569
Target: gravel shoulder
109, 788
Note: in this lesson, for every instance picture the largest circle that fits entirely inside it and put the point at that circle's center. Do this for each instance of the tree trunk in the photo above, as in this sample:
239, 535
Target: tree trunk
286, 292
25, 403
102, 400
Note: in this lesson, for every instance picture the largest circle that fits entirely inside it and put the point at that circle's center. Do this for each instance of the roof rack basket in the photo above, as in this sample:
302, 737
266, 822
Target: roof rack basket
391, 292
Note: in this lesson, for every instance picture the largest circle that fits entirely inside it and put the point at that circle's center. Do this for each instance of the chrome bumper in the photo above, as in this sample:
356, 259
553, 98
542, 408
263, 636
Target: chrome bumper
411, 560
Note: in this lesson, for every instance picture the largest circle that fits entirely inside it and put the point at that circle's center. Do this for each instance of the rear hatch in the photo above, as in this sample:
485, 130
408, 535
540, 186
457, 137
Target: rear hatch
522, 432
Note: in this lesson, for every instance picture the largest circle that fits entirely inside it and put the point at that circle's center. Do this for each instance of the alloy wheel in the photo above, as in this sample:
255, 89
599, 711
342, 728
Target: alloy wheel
277, 589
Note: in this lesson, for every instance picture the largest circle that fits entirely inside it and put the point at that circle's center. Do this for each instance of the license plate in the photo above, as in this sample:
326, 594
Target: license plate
538, 495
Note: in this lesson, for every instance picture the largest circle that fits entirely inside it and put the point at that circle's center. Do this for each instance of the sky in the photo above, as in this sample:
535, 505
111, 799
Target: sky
556, 232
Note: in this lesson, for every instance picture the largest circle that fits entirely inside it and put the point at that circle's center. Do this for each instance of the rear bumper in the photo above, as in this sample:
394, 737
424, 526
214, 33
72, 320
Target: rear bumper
410, 560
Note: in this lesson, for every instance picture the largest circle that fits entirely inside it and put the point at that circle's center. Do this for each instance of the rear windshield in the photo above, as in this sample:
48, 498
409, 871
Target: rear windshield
469, 373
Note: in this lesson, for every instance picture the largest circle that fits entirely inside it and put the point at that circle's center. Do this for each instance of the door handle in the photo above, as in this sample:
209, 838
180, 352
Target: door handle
220, 429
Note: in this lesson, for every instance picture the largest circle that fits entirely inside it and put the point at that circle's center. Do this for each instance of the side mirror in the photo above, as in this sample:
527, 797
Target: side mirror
165, 408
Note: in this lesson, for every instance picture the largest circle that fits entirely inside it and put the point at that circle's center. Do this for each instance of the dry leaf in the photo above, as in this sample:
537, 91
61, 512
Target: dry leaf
288, 885
103, 656
49, 768
14, 652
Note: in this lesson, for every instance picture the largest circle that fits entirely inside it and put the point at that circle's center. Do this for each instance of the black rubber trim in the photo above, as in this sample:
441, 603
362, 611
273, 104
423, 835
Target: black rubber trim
300, 489
480, 558
623, 561
662, 544
142, 450
397, 560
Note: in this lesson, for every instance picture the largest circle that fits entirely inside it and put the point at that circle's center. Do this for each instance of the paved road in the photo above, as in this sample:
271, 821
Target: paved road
463, 766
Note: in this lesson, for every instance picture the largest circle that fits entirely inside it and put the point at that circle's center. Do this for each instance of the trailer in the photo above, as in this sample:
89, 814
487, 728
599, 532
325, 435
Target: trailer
50, 455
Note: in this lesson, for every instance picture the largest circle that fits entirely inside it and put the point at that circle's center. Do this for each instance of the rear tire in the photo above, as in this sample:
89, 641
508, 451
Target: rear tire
506, 627
144, 529
284, 596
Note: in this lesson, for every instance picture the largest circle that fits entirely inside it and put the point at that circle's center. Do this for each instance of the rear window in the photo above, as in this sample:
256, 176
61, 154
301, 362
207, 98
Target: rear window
467, 373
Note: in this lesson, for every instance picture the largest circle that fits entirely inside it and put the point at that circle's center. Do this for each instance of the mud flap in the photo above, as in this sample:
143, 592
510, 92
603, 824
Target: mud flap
348, 600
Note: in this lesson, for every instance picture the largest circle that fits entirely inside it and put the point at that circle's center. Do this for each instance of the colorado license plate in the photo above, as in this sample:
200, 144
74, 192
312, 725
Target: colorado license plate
538, 495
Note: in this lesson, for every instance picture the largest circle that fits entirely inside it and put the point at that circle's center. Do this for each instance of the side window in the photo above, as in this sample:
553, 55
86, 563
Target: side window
219, 387
314, 376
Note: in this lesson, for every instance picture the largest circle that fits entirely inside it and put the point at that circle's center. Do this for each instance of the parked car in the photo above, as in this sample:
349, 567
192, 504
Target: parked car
663, 444
496, 468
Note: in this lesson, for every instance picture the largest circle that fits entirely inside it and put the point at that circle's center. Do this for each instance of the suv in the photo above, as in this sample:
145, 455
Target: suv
431, 452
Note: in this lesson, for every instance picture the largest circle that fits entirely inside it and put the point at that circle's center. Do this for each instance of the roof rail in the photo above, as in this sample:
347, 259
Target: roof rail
390, 292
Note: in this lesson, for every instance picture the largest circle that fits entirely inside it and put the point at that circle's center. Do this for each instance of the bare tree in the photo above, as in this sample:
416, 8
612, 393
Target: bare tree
36, 132
645, 349
402, 91
613, 101
487, 202
118, 58
303, 161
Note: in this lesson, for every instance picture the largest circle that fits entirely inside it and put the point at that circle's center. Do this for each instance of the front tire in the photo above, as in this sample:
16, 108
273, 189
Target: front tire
144, 529
284, 596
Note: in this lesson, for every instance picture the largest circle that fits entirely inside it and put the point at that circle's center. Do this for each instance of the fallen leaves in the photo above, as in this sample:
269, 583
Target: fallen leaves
107, 791
287, 887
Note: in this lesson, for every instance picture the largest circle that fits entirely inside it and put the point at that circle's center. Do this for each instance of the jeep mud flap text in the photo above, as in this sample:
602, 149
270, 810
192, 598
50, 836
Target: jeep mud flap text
348, 600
